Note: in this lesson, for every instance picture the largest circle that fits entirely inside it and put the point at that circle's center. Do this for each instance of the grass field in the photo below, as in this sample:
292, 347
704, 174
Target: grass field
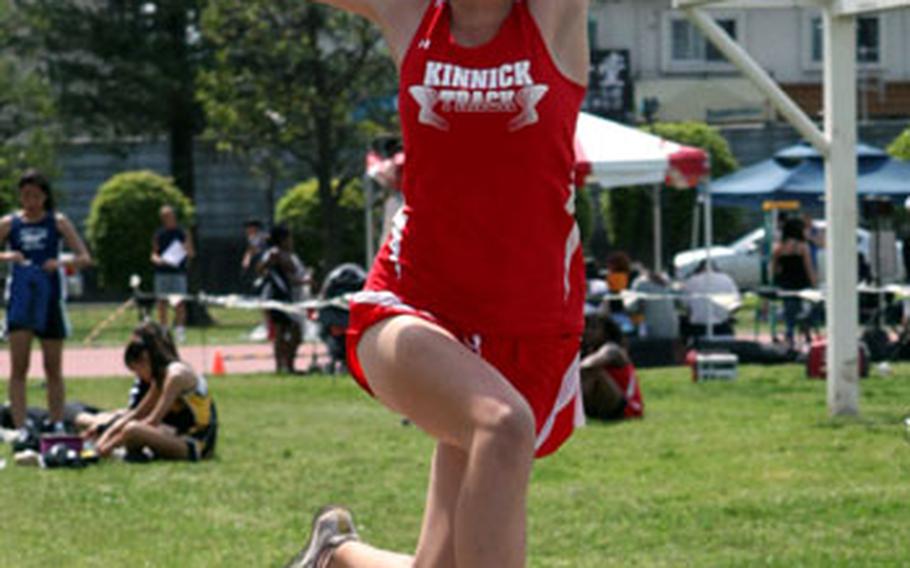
230, 326
750, 473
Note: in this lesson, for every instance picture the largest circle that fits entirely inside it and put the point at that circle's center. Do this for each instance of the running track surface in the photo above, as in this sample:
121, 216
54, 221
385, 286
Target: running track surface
84, 362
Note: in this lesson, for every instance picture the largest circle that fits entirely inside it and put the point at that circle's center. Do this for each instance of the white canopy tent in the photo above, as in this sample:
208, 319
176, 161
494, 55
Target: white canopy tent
836, 143
614, 155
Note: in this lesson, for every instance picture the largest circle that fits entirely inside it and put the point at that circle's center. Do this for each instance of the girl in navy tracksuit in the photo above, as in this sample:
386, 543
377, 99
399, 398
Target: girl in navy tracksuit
35, 295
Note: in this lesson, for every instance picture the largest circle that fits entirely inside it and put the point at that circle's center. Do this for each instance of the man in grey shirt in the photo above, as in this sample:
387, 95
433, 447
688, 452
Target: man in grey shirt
661, 320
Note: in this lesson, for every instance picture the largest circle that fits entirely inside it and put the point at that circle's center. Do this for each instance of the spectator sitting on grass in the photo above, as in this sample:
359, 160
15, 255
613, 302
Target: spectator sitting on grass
176, 419
609, 384
92, 423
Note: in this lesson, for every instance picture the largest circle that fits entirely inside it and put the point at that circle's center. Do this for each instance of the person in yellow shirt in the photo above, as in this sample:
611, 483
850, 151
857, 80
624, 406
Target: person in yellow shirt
176, 419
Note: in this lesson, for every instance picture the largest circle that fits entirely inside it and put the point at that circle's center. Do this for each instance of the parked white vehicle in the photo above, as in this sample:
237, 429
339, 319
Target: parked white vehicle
742, 258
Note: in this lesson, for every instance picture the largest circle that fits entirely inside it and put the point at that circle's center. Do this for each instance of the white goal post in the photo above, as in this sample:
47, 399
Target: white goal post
839, 7
837, 142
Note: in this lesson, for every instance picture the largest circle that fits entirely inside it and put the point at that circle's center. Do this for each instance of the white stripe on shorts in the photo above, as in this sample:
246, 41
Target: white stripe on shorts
380, 298
569, 392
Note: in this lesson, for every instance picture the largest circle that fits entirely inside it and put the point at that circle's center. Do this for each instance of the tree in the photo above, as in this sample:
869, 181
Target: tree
27, 130
123, 219
628, 210
900, 147
299, 210
287, 80
122, 68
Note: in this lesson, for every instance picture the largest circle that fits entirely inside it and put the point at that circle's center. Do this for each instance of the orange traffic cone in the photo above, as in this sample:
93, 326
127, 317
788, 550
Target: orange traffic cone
218, 367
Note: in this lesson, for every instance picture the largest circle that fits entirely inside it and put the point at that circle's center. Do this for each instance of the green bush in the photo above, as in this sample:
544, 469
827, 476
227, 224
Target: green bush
700, 135
584, 213
900, 148
300, 210
123, 219
629, 223
628, 211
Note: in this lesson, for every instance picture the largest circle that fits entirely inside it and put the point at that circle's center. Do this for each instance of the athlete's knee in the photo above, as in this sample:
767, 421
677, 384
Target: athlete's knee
19, 371
133, 432
53, 371
508, 425
19, 376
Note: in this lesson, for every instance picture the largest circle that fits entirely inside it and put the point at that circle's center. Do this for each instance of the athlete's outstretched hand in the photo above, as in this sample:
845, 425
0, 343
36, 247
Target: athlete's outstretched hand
397, 19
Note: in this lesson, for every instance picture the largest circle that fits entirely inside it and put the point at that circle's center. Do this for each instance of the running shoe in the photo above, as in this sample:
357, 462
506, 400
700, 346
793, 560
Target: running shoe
29, 458
26, 439
332, 527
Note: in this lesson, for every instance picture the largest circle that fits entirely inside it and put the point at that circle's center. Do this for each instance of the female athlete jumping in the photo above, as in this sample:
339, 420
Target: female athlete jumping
470, 321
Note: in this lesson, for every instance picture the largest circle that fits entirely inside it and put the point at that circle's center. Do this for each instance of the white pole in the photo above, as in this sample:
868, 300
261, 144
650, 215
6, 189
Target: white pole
368, 198
840, 197
757, 74
658, 229
709, 242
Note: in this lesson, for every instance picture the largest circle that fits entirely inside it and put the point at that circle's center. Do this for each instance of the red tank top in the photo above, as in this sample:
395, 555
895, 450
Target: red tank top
627, 381
487, 238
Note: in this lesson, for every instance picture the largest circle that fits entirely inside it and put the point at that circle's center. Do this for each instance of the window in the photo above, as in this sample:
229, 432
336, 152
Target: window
868, 40
688, 50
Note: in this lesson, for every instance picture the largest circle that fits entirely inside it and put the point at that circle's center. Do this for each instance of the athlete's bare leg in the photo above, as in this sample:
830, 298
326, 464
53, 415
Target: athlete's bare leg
52, 352
162, 312
436, 546
419, 370
20, 347
355, 554
180, 314
164, 443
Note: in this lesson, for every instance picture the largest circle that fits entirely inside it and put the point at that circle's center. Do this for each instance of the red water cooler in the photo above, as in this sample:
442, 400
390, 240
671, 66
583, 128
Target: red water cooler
816, 367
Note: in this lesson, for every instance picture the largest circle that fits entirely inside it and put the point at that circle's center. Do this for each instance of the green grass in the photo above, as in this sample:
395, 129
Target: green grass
230, 325
749, 473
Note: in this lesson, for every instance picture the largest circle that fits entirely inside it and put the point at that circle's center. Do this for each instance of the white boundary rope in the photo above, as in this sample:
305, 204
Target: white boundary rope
240, 302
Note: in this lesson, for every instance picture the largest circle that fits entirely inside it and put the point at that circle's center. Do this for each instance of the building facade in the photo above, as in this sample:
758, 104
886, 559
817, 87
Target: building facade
670, 63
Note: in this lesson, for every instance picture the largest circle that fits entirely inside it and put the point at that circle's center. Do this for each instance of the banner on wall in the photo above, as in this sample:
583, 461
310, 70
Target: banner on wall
611, 90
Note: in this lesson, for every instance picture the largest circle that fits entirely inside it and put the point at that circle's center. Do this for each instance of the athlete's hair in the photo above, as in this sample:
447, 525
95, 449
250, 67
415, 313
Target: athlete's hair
278, 234
656, 277
619, 262
154, 340
37, 179
794, 228
601, 323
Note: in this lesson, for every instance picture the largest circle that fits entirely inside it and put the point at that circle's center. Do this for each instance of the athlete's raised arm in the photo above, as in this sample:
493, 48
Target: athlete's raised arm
397, 19
365, 8
564, 24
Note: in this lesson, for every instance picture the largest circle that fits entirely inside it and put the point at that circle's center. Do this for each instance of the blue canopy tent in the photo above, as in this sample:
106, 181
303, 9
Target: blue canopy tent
798, 173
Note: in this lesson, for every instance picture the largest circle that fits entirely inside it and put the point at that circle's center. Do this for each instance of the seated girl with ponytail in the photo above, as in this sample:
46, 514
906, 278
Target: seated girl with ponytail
176, 419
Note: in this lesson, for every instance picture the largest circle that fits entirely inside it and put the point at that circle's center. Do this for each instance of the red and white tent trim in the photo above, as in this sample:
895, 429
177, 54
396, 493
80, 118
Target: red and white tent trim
613, 155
